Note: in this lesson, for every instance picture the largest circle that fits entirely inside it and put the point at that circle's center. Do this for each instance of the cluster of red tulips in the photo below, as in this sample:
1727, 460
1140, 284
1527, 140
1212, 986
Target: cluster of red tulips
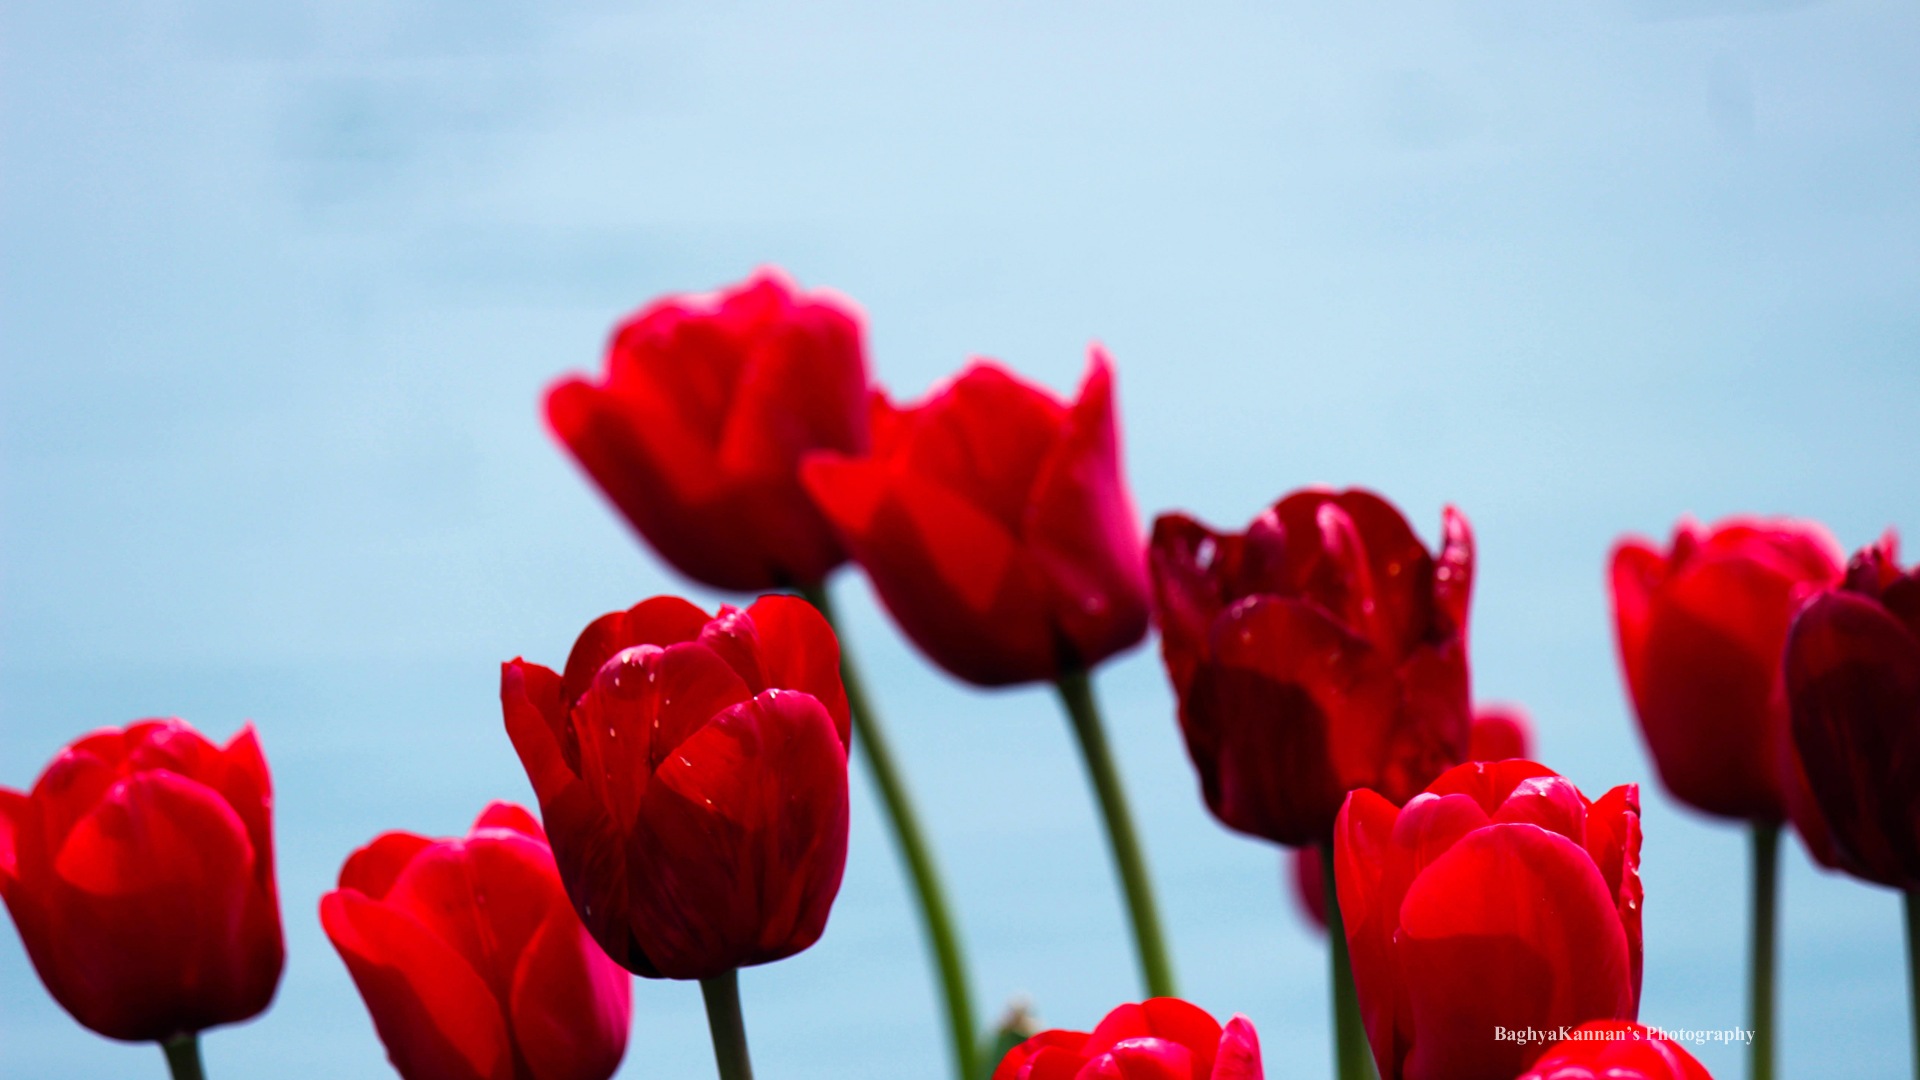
692, 779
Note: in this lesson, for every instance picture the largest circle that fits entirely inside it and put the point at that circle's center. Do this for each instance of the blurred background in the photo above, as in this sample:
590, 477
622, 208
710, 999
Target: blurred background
283, 284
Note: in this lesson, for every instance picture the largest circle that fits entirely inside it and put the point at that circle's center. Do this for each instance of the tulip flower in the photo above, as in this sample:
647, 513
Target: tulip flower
1500, 897
1701, 627
471, 959
995, 524
1615, 1050
1499, 732
1159, 1039
692, 776
1853, 681
139, 872
696, 430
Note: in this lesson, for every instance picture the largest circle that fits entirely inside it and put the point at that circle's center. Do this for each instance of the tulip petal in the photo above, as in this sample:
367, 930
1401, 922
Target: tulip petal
570, 1007
1613, 839
984, 437
372, 870
484, 896
795, 649
537, 723
434, 1013
1363, 846
660, 620
1171, 1019
1144, 1058
1184, 558
510, 817
1238, 1057
14, 808
1063, 1044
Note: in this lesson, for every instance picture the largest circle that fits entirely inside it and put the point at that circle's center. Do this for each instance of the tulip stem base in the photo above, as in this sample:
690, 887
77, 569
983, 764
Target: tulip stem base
729, 1028
1911, 901
936, 915
183, 1057
1760, 998
1352, 1055
1076, 693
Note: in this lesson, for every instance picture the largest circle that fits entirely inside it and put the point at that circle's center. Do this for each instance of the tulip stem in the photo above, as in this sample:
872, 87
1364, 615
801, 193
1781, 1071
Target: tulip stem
1911, 900
1352, 1056
1076, 693
722, 994
936, 915
1766, 888
183, 1057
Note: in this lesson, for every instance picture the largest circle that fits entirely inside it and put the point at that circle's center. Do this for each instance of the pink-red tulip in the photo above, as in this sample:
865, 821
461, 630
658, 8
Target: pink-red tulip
692, 775
1498, 898
1322, 650
1701, 627
472, 961
139, 871
1853, 678
995, 524
1158, 1039
1616, 1050
696, 430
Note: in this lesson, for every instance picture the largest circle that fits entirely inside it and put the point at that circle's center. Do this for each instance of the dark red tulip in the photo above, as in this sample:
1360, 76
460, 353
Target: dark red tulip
472, 961
1853, 678
1498, 898
1701, 627
1616, 1050
139, 871
1499, 732
996, 525
1323, 649
1158, 1039
692, 775
696, 430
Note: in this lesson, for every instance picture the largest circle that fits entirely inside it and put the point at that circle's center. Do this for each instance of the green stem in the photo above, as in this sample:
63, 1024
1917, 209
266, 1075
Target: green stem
722, 994
1352, 1055
183, 1057
936, 915
1076, 693
1760, 993
1911, 900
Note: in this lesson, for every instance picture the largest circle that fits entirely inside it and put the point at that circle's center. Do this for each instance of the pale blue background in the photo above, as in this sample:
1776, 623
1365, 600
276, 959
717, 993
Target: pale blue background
283, 283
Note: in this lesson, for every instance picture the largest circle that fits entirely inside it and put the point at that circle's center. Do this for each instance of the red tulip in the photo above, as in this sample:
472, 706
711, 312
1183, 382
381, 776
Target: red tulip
995, 524
1498, 898
1499, 732
139, 871
1853, 678
472, 961
1322, 650
1159, 1039
697, 428
1701, 628
1616, 1050
692, 774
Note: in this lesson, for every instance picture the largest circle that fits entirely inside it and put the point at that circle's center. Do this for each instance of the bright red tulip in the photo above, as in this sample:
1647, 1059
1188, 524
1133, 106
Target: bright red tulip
1158, 1039
472, 961
1853, 678
692, 775
1499, 732
1322, 650
139, 871
1616, 1050
696, 430
1701, 627
1498, 898
995, 524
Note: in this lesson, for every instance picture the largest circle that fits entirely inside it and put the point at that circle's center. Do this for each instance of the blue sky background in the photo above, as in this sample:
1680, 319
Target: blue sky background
282, 284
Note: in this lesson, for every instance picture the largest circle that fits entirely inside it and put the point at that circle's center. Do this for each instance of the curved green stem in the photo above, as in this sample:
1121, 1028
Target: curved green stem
183, 1057
1760, 988
1352, 1055
1076, 693
936, 916
1911, 901
729, 1028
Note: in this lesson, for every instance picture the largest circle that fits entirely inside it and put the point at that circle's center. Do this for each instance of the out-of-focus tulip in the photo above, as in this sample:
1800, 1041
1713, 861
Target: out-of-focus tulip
139, 871
1499, 732
472, 961
1322, 650
1158, 1039
1616, 1050
1853, 678
1701, 627
696, 430
1498, 898
692, 775
995, 524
